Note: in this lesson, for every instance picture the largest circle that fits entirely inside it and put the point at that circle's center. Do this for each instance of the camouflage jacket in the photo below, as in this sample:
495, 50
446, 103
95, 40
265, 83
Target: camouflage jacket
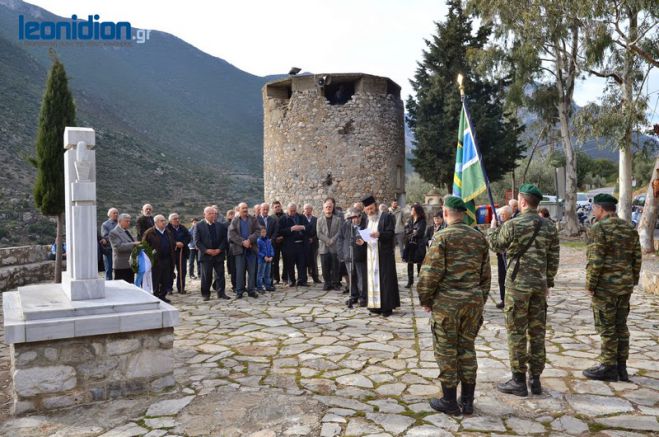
538, 266
614, 257
457, 266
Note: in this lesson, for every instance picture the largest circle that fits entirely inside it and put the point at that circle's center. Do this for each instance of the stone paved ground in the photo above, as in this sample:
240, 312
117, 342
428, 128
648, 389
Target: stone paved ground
298, 363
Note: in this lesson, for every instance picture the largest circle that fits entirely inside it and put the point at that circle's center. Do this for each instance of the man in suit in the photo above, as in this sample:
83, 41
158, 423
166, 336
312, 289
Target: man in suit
327, 229
122, 245
145, 221
106, 249
244, 232
312, 248
296, 230
182, 237
162, 241
212, 243
278, 245
267, 221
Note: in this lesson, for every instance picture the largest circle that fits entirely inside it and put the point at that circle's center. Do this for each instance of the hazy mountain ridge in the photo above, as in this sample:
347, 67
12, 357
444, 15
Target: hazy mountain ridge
175, 126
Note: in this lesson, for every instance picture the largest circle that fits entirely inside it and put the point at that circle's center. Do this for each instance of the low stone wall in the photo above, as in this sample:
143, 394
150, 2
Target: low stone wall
25, 265
61, 373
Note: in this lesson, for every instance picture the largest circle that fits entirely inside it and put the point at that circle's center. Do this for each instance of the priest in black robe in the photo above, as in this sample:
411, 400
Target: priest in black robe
383, 296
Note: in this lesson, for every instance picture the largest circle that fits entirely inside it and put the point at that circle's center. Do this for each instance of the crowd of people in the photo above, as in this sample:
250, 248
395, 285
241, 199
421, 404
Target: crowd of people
267, 249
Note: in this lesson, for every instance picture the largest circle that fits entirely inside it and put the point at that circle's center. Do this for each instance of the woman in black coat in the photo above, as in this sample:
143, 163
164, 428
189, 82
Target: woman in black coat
415, 238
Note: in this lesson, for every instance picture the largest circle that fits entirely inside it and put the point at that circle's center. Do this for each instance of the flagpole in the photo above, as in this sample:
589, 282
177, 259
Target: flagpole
478, 150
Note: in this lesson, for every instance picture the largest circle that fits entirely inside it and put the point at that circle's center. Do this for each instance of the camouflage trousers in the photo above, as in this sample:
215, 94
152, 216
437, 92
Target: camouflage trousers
454, 328
526, 316
610, 314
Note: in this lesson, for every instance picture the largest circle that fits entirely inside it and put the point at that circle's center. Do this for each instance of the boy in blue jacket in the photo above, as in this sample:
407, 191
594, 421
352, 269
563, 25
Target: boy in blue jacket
266, 252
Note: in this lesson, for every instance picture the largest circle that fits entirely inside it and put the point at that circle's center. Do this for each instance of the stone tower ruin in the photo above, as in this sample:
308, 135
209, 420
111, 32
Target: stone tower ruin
338, 135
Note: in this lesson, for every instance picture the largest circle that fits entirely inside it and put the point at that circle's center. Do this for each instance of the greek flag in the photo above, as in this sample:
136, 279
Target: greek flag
143, 277
468, 179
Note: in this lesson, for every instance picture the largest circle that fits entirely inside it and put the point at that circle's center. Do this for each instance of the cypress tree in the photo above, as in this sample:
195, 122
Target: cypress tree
433, 114
57, 112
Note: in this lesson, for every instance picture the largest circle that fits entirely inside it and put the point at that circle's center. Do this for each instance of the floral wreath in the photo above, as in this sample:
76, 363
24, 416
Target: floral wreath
134, 255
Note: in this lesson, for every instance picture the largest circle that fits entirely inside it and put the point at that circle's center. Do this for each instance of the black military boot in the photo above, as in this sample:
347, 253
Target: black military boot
534, 383
515, 386
622, 371
448, 403
467, 398
602, 372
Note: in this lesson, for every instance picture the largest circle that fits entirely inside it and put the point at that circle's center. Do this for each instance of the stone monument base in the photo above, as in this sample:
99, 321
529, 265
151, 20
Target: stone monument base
61, 373
66, 352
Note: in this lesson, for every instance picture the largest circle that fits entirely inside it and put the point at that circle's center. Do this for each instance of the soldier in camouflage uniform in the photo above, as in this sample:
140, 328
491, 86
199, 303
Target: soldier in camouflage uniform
531, 243
454, 284
614, 264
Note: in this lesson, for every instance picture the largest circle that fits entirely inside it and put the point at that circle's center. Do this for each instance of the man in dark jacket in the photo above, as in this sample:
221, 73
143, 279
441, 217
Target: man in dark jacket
182, 237
163, 243
295, 229
212, 244
278, 244
244, 232
312, 248
354, 255
145, 221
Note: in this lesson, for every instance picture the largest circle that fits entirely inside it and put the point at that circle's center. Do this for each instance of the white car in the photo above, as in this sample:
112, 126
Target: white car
583, 200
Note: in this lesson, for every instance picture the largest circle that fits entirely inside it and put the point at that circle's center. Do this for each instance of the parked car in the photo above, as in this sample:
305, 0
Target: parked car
583, 200
639, 200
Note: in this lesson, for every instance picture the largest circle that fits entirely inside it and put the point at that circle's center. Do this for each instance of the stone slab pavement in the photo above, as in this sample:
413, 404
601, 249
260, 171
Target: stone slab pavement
297, 362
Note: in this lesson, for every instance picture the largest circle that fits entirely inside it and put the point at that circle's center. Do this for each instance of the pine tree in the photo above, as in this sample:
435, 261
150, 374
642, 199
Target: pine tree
57, 112
433, 114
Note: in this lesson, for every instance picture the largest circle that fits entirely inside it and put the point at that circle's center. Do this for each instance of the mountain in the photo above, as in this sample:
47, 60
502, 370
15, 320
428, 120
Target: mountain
175, 126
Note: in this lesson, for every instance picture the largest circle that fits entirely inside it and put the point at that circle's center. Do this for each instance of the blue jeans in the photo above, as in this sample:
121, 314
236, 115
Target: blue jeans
263, 276
107, 262
244, 262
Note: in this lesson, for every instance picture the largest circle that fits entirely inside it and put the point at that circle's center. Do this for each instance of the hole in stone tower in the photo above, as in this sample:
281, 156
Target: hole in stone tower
393, 89
328, 180
338, 93
279, 91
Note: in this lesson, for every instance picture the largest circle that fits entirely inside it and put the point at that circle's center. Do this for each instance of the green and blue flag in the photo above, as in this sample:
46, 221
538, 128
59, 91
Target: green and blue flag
468, 179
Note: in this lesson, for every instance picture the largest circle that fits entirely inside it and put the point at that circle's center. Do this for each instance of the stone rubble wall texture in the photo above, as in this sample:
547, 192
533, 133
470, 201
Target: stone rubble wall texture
61, 373
313, 149
649, 279
25, 265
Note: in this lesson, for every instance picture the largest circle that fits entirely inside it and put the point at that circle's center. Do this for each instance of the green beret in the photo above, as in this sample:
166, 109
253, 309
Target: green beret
455, 203
531, 189
605, 198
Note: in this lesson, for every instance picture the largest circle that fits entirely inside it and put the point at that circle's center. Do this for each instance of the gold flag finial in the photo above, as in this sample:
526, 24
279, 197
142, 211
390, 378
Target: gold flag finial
460, 85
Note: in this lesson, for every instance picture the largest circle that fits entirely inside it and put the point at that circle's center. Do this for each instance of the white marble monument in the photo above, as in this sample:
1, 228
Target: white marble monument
85, 312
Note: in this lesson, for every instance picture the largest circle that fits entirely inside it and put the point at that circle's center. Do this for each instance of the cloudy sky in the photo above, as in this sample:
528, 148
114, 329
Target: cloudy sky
382, 37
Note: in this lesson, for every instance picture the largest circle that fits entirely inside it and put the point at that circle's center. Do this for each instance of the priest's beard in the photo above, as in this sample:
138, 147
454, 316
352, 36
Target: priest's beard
374, 217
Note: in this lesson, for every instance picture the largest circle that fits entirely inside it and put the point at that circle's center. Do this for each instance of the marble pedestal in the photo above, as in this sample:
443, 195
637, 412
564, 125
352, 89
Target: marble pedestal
66, 352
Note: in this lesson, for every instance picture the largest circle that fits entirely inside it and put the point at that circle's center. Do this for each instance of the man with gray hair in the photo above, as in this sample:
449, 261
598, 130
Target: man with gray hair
244, 232
514, 208
163, 243
505, 213
106, 248
212, 243
145, 221
354, 255
296, 230
312, 247
122, 243
182, 237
